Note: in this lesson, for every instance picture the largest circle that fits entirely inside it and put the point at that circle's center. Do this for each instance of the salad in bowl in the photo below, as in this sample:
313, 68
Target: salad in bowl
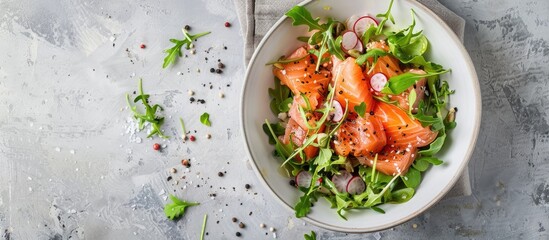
361, 112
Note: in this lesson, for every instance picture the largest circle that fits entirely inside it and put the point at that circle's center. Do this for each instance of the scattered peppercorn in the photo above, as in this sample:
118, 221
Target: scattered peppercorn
238, 234
142, 46
219, 71
220, 174
247, 186
234, 219
192, 138
212, 70
372, 113
225, 47
292, 182
156, 146
241, 225
221, 65
185, 162
227, 24
187, 27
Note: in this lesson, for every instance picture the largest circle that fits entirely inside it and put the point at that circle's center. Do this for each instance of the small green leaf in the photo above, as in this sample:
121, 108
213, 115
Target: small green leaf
402, 195
412, 178
175, 51
285, 105
301, 16
434, 147
176, 209
361, 109
372, 53
205, 119
312, 236
399, 83
277, 129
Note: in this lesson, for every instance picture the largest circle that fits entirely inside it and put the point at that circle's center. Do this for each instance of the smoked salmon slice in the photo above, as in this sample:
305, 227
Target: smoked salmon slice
301, 77
351, 84
298, 135
387, 65
312, 117
392, 160
400, 129
360, 137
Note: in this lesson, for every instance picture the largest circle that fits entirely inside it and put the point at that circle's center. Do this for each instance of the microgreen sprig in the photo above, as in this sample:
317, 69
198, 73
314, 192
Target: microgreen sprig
150, 112
175, 51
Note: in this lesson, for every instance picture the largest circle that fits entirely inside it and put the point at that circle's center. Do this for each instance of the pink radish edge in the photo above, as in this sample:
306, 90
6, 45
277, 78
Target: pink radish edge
349, 40
363, 23
378, 81
358, 187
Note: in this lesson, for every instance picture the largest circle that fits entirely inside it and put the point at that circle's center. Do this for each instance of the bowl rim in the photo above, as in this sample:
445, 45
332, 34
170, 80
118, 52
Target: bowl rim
438, 197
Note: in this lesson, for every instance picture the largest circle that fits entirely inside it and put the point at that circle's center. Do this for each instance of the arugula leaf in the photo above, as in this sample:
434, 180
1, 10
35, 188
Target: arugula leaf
303, 206
411, 100
398, 84
422, 163
312, 236
361, 109
412, 178
279, 95
374, 53
301, 16
149, 115
303, 39
435, 146
205, 119
282, 60
386, 16
175, 51
402, 195
176, 209
284, 150
278, 130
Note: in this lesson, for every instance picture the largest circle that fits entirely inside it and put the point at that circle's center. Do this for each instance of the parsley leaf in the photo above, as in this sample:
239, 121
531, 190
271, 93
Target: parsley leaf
301, 16
175, 51
150, 112
205, 119
361, 109
176, 209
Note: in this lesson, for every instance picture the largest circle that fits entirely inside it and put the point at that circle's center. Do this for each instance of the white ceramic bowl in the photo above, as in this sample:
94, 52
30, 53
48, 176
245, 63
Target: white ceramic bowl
445, 49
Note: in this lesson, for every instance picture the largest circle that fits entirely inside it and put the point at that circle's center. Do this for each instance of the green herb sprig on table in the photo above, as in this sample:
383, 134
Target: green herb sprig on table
149, 115
176, 209
175, 51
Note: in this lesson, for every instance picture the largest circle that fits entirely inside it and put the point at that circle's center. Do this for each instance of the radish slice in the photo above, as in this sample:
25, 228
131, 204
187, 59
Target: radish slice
356, 186
378, 81
351, 21
303, 179
336, 114
359, 47
342, 180
362, 24
349, 40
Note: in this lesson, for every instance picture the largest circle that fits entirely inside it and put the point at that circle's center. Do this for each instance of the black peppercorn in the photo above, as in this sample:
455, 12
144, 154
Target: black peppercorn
247, 186
212, 70
218, 71
238, 234
220, 174
187, 27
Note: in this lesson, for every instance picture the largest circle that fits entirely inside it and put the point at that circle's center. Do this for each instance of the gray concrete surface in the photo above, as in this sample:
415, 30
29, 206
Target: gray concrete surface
73, 167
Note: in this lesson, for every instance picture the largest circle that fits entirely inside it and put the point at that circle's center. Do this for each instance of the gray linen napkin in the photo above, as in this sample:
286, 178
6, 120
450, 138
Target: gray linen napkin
258, 16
